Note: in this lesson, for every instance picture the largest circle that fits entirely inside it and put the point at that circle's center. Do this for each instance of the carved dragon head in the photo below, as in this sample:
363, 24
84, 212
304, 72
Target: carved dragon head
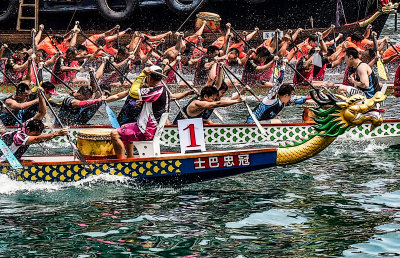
346, 112
388, 8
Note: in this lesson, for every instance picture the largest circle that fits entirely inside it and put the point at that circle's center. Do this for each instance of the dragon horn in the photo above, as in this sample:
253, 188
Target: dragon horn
320, 102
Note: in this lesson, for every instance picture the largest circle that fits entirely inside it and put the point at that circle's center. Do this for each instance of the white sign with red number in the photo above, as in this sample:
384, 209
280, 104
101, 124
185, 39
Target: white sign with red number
191, 135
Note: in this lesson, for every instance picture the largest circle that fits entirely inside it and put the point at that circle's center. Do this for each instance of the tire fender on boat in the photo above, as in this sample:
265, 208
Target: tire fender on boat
10, 11
113, 15
179, 6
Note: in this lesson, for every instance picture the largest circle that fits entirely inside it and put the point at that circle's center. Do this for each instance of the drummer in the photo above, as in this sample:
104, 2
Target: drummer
155, 101
29, 133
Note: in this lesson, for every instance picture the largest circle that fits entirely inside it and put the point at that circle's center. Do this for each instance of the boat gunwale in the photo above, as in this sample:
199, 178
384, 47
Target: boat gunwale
210, 153
212, 125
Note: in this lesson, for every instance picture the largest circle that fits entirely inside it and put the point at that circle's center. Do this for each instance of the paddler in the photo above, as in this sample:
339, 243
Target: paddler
277, 98
29, 133
364, 81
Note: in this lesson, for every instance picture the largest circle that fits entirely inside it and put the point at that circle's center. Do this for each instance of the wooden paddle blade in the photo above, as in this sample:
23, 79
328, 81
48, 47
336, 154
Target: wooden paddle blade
259, 126
112, 117
381, 70
317, 60
15, 164
218, 115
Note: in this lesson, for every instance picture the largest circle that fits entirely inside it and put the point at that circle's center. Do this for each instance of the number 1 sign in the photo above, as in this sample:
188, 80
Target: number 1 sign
191, 135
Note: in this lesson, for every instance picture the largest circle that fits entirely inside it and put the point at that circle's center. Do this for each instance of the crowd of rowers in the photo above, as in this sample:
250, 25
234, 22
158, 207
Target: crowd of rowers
148, 96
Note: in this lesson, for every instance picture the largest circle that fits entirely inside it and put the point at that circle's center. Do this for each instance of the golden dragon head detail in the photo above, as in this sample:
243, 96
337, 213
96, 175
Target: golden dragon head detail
347, 113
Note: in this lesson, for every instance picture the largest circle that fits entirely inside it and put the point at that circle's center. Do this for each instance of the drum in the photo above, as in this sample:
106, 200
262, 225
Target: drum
95, 143
213, 21
307, 113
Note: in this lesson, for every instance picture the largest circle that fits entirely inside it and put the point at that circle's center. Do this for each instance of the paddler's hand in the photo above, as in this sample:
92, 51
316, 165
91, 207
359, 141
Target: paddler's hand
351, 79
241, 99
256, 29
61, 132
228, 25
248, 88
139, 103
369, 27
340, 35
169, 33
4, 46
128, 30
333, 26
41, 27
178, 58
103, 98
41, 65
117, 27
33, 56
276, 58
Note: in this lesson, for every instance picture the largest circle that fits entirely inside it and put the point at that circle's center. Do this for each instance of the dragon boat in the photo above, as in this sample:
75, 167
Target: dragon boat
174, 167
224, 135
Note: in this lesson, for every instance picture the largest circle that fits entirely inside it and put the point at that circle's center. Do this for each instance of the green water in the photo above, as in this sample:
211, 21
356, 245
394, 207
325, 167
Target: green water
343, 202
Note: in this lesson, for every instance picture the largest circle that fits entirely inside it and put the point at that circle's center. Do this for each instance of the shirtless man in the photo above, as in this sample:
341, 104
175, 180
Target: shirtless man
364, 81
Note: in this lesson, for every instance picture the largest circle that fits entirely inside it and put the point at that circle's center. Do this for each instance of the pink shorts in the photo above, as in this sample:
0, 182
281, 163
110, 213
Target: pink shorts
131, 132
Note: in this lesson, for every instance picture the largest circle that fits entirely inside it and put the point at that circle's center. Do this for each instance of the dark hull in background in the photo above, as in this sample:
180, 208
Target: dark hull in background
155, 15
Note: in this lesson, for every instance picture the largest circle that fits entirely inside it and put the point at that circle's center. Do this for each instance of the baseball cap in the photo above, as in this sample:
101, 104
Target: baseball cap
156, 70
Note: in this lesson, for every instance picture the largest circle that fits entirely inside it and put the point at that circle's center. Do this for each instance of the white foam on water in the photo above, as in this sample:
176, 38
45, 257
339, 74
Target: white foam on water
9, 186
378, 183
276, 217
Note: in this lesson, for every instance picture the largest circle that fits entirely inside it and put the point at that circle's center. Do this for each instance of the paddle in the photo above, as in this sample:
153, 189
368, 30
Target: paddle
15, 164
259, 126
12, 160
240, 37
317, 59
110, 113
75, 149
58, 78
240, 81
381, 68
176, 102
51, 40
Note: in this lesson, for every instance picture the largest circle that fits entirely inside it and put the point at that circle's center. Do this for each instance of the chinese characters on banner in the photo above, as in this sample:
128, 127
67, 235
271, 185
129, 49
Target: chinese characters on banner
222, 162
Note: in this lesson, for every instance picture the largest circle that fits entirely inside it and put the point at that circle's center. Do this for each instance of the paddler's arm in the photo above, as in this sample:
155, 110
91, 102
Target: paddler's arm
296, 34
364, 80
261, 68
45, 137
251, 35
52, 60
367, 32
42, 105
181, 95
134, 90
18, 106
21, 68
327, 31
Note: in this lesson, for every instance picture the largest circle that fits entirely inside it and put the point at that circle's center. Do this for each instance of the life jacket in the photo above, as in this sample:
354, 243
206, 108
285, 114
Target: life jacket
65, 76
89, 45
8, 68
219, 42
48, 47
321, 73
308, 75
390, 51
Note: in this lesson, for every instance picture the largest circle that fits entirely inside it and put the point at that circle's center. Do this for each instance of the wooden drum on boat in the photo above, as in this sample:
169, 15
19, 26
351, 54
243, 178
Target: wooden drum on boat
96, 143
307, 113
213, 21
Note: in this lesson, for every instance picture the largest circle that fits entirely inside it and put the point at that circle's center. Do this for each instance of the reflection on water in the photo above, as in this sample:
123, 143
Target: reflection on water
345, 201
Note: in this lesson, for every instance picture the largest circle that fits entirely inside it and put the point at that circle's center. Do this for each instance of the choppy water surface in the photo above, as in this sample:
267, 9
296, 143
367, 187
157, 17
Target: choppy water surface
345, 201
